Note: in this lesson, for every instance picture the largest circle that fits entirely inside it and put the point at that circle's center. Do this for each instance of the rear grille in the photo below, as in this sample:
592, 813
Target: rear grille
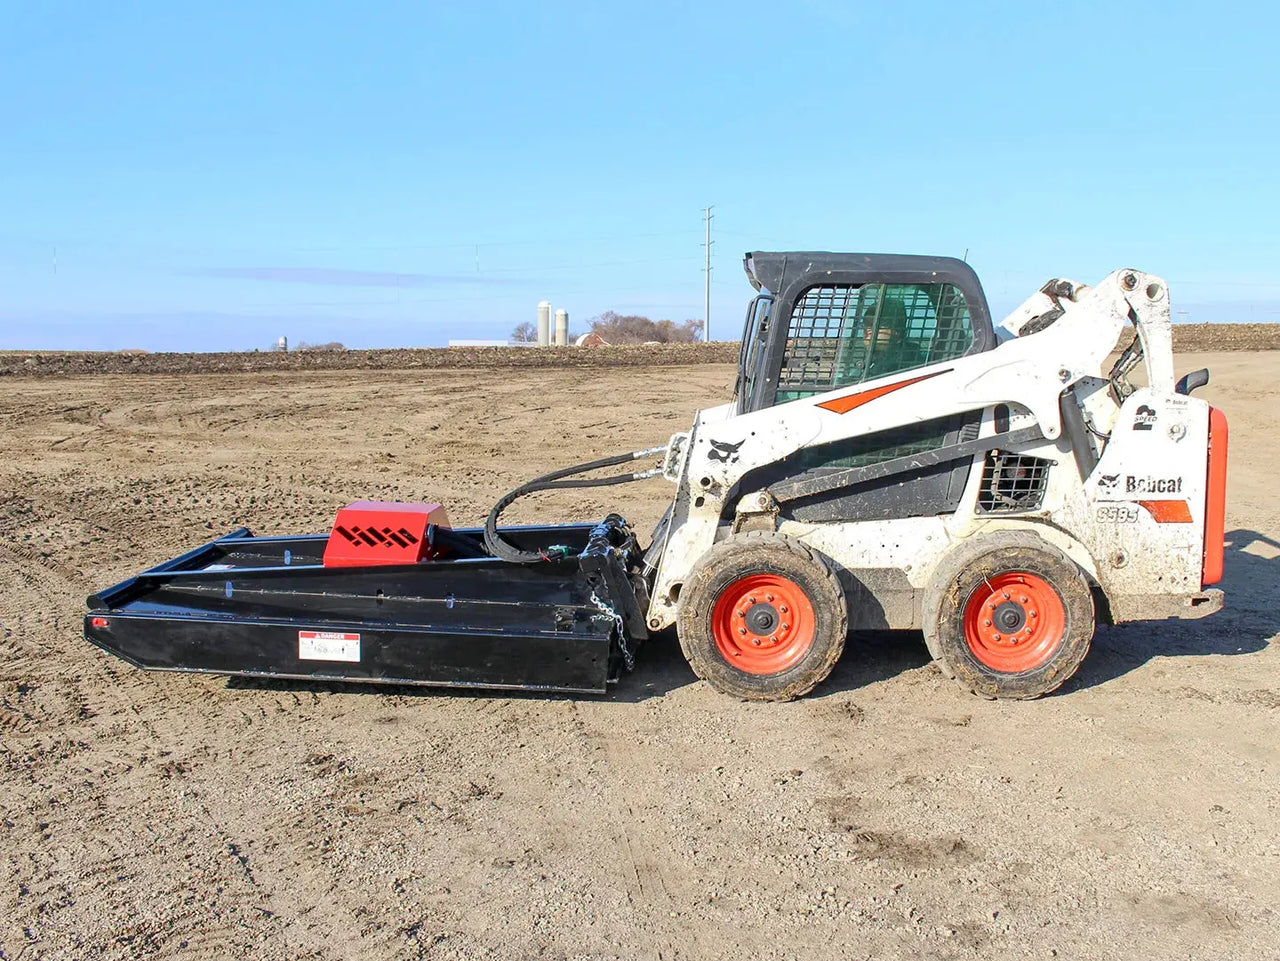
1012, 482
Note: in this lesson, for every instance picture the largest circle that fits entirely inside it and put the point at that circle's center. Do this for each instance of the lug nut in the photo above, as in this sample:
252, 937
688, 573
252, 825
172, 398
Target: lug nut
755, 641
987, 622
785, 627
742, 613
769, 598
742, 630
1022, 600
783, 609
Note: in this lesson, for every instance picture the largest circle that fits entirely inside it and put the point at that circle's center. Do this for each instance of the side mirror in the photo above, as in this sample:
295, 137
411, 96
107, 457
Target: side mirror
1192, 381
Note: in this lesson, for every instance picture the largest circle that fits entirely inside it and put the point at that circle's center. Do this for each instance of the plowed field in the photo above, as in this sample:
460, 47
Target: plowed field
887, 815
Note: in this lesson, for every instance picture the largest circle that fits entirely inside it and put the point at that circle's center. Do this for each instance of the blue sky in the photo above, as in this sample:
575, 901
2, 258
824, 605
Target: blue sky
211, 176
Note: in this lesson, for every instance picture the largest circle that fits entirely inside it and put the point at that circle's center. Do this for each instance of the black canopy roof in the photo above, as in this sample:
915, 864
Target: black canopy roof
772, 270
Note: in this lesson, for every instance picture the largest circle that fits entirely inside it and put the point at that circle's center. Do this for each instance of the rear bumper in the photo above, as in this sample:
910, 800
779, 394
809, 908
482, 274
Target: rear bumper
1160, 607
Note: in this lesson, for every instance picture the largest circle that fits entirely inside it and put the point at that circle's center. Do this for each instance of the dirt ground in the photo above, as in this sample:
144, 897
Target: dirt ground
888, 815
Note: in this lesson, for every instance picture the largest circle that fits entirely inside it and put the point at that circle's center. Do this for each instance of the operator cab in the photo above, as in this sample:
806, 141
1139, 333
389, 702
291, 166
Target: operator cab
822, 321
827, 320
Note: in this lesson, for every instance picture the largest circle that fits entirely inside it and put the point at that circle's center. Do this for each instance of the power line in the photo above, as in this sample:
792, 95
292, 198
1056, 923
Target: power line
706, 287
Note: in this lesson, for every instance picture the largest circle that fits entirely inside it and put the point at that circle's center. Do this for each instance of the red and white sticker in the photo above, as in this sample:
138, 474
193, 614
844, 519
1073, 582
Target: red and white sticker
328, 646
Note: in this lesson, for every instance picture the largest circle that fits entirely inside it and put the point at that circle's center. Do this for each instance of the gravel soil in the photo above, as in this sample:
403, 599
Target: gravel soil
887, 815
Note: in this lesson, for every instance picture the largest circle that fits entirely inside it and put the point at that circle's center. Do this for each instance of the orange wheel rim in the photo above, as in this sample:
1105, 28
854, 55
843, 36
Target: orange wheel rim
1014, 622
763, 624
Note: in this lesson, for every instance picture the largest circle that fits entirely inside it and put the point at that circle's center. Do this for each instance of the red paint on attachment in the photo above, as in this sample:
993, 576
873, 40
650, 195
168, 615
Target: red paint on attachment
1215, 501
842, 405
1168, 512
369, 533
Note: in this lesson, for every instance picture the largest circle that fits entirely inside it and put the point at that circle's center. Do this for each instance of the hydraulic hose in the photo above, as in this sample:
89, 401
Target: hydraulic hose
497, 546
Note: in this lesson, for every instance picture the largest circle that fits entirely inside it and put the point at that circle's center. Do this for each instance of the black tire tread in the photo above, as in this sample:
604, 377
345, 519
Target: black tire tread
758, 548
949, 652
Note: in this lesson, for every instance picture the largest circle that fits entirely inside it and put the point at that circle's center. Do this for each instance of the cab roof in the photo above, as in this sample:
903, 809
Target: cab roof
772, 270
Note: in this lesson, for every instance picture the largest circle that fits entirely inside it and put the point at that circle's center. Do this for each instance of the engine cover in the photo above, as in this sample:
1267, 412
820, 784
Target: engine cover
368, 533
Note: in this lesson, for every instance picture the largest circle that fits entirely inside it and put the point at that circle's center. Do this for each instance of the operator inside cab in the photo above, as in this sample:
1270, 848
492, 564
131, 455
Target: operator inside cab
888, 346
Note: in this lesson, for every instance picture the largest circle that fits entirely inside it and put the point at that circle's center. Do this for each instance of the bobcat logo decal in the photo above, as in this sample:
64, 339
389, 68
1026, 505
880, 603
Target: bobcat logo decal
725, 453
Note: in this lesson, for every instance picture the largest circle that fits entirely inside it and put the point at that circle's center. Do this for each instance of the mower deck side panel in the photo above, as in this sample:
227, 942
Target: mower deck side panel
266, 607
391, 654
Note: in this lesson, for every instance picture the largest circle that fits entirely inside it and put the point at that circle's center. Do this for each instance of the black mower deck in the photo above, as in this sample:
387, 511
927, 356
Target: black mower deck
268, 607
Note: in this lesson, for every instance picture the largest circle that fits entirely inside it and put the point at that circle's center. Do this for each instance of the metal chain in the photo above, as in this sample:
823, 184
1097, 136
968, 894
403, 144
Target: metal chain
628, 659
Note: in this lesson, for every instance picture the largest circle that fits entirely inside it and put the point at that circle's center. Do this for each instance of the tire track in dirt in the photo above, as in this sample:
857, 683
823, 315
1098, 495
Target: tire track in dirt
18, 553
146, 911
53, 694
96, 515
649, 888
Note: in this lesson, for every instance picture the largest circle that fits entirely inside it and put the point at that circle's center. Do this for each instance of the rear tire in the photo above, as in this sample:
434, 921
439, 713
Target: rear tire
762, 617
1009, 616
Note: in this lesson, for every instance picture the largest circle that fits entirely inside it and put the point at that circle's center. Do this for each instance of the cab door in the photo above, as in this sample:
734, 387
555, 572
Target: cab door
844, 333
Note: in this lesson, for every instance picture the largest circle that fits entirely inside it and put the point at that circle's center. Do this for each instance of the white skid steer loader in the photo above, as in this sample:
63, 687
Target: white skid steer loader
890, 461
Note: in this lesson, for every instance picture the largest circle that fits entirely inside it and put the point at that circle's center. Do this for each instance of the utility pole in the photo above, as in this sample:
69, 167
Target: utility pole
706, 287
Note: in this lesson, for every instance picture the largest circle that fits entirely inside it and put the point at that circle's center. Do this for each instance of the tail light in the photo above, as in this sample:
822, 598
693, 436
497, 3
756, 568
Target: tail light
1215, 504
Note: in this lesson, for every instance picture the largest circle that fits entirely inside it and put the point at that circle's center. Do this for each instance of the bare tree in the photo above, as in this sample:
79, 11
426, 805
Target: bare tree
632, 329
524, 333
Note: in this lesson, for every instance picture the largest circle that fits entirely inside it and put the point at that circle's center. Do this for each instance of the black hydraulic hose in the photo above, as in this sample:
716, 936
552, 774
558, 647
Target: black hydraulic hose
497, 546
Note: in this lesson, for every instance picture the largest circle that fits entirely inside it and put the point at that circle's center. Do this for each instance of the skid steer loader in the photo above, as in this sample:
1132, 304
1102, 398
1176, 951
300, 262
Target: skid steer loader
890, 460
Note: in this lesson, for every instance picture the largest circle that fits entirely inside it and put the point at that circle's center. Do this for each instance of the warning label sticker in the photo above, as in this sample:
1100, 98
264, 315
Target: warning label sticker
328, 646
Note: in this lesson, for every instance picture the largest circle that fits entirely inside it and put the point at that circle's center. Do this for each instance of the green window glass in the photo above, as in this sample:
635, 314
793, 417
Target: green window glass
841, 335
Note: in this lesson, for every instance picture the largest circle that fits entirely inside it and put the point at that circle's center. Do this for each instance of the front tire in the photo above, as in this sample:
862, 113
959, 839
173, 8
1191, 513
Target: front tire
1010, 616
762, 617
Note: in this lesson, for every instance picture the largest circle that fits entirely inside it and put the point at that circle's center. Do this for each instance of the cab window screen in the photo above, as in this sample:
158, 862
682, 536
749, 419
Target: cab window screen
841, 335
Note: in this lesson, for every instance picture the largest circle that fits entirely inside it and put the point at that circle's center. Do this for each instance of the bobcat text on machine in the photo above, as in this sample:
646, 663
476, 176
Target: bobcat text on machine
889, 461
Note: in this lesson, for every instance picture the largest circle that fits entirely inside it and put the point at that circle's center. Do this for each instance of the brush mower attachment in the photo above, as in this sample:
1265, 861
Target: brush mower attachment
394, 597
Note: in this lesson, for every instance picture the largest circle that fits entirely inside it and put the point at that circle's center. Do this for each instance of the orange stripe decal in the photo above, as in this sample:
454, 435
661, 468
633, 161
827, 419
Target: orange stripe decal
1168, 512
842, 405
